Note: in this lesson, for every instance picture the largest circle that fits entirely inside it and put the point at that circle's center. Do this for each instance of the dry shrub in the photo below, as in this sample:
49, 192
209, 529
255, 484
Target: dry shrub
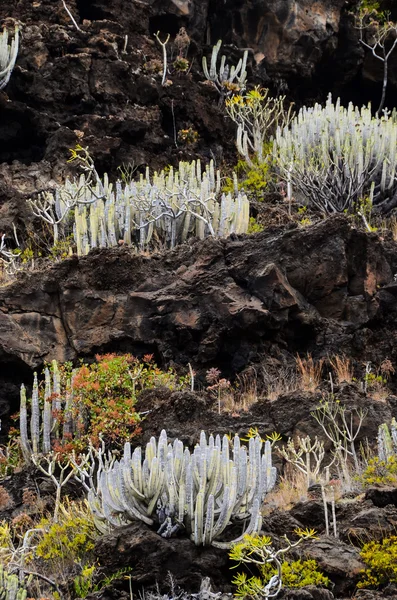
291, 490
342, 365
247, 394
278, 381
309, 372
5, 498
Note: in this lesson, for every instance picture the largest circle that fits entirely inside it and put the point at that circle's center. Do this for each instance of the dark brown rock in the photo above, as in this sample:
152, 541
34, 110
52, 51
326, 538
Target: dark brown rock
339, 561
382, 496
153, 557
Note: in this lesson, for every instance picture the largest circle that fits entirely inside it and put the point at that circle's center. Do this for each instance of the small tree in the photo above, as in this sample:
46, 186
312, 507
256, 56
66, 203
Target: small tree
378, 34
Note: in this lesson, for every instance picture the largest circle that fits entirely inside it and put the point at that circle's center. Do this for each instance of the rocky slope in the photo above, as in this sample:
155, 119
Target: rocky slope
98, 82
249, 302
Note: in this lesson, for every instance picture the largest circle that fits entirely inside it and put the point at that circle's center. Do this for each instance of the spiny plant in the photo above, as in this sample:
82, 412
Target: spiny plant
200, 492
164, 208
87, 404
8, 55
333, 157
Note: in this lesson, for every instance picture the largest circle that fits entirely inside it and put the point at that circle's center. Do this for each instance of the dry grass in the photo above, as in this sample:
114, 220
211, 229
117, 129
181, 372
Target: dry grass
342, 365
5, 498
279, 381
309, 372
291, 490
247, 394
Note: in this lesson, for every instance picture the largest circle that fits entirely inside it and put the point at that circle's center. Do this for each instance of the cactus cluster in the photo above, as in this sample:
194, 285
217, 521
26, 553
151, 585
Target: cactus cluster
335, 157
163, 209
225, 78
8, 55
45, 424
10, 586
201, 492
387, 441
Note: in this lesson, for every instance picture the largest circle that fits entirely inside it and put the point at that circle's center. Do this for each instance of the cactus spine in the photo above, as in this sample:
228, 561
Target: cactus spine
201, 492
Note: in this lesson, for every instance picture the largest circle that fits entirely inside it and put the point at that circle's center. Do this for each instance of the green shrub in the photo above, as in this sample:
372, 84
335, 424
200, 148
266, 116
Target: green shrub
381, 558
295, 574
71, 539
381, 472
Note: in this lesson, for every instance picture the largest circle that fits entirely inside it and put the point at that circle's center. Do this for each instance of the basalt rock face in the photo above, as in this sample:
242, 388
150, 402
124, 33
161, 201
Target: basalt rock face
328, 289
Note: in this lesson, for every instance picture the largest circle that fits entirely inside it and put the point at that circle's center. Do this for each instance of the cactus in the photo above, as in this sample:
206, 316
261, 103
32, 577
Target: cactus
44, 427
175, 205
8, 56
225, 77
387, 441
10, 586
200, 492
337, 157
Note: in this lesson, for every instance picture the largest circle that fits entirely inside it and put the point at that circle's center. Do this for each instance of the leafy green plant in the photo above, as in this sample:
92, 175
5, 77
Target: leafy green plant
381, 560
254, 226
84, 584
295, 574
71, 539
274, 572
380, 472
253, 179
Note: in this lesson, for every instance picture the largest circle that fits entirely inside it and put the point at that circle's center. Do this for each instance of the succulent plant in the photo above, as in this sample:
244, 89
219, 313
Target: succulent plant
225, 78
200, 492
387, 441
10, 586
44, 426
8, 55
168, 207
336, 158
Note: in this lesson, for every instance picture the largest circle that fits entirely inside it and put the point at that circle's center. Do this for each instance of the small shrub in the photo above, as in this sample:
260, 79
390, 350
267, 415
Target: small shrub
381, 558
343, 368
71, 539
381, 472
188, 136
295, 574
253, 179
309, 372
181, 64
258, 551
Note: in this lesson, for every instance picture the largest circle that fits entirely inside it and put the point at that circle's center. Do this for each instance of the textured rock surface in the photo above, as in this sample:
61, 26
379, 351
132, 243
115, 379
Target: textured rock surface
217, 301
230, 303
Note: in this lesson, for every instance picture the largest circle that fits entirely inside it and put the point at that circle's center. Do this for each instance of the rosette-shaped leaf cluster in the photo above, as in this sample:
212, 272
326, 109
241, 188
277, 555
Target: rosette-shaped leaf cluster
336, 158
201, 492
